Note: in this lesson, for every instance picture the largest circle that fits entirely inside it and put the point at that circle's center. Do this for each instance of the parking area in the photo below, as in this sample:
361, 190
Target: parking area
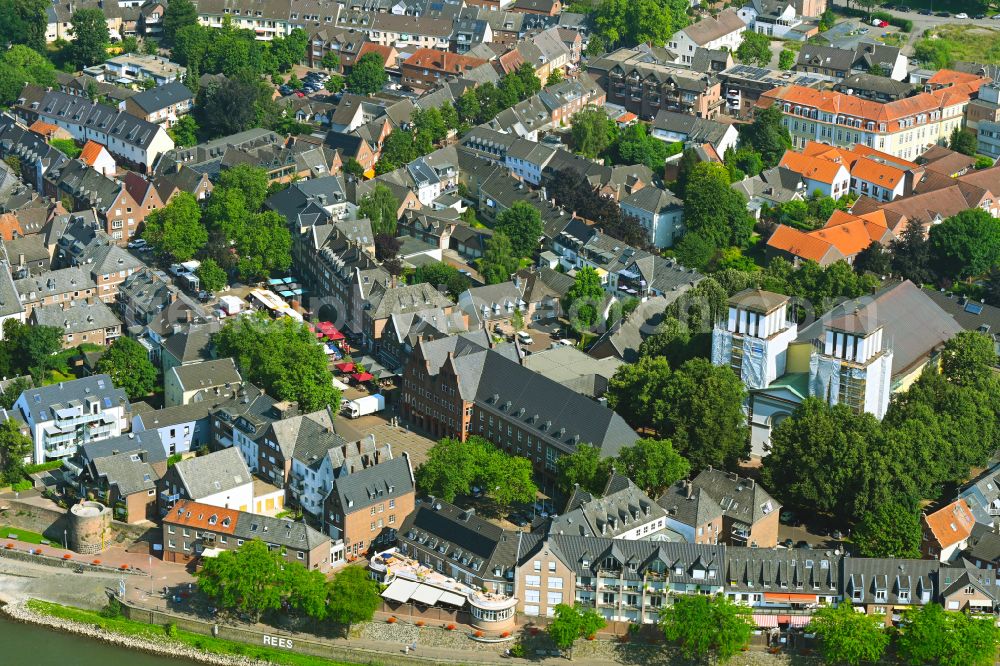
797, 531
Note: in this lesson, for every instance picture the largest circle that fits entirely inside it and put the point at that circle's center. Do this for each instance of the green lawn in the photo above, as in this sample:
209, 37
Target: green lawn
121, 625
7, 531
963, 42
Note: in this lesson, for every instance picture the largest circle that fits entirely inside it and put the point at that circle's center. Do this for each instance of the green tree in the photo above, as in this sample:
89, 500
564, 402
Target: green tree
129, 45
670, 340
593, 132
30, 348
889, 529
963, 141
368, 75
522, 224
381, 208
713, 210
742, 162
705, 414
786, 59
653, 465
176, 230
966, 244
211, 275
935, 636
637, 392
968, 359
184, 132
584, 468
498, 262
442, 275
631, 22
873, 259
23, 22
281, 356
13, 391
128, 365
331, 61
178, 14
707, 627
571, 623
354, 168
354, 597
911, 254
20, 65
754, 49
636, 146
234, 104
584, 300
819, 458
307, 590
15, 448
248, 580
447, 472
827, 20
250, 181
90, 37
555, 76
849, 637
767, 135
334, 84
695, 250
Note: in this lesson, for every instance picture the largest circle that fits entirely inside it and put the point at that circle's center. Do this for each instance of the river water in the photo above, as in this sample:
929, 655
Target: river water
25, 644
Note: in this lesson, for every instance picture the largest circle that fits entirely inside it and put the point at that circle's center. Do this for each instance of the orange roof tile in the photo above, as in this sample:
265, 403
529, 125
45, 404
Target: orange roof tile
841, 104
443, 61
42, 128
387, 53
9, 226
946, 77
877, 155
952, 524
813, 168
877, 173
627, 117
849, 238
839, 217
91, 151
800, 244
202, 516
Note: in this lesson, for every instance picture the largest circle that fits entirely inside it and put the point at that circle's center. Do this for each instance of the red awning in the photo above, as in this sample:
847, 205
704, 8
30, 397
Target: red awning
793, 598
363, 376
765, 621
799, 620
345, 367
334, 334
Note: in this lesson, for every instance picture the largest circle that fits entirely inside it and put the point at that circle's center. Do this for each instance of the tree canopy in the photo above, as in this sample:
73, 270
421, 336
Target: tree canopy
453, 467
706, 626
368, 75
24, 22
176, 231
630, 22
522, 224
849, 637
90, 37
585, 468
963, 141
966, 244
282, 357
498, 262
573, 622
353, 598
128, 365
178, 14
20, 65
767, 135
653, 465
713, 211
585, 299
943, 638
440, 274
889, 529
15, 448
381, 208
754, 49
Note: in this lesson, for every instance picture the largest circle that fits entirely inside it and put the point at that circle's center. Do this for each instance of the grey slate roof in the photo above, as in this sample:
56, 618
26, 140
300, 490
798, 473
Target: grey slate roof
653, 199
689, 505
739, 498
10, 302
862, 577
216, 472
207, 374
913, 325
306, 437
60, 281
287, 533
127, 471
697, 130
144, 440
613, 515
783, 570
78, 318
100, 118
162, 97
385, 301
42, 400
388, 479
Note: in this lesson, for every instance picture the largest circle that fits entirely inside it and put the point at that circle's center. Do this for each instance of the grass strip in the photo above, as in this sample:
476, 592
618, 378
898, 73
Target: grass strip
8, 532
124, 626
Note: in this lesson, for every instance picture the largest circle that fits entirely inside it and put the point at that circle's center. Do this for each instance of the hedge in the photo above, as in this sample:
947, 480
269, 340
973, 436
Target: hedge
43, 467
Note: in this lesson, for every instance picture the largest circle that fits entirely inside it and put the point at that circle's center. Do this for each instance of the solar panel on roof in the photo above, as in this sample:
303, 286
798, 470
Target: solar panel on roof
973, 308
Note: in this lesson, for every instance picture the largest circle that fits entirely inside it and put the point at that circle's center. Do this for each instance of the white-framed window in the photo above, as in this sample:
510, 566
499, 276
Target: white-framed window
532, 581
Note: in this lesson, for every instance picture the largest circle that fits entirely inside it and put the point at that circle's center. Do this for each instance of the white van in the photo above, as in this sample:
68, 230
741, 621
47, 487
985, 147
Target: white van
524, 338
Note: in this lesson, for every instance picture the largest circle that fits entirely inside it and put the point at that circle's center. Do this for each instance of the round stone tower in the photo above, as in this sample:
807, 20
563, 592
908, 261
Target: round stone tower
89, 527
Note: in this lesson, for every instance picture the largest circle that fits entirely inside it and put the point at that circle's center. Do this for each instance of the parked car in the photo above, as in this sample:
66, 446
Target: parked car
803, 544
903, 8
961, 15
525, 338
979, 17
879, 23
925, 12
137, 244
942, 14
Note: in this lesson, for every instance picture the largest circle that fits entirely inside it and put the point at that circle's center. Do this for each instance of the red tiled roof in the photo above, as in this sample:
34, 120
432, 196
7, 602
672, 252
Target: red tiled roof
42, 128
202, 516
952, 524
9, 226
442, 61
91, 151
814, 168
800, 244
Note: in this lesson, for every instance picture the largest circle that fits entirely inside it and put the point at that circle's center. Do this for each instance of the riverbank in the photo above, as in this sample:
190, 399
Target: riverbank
152, 639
